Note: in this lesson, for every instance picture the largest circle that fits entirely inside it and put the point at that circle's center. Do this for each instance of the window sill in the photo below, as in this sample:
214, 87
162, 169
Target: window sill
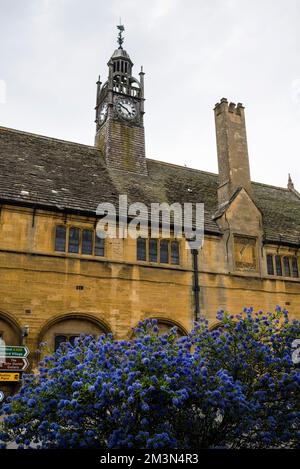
281, 277
158, 264
77, 256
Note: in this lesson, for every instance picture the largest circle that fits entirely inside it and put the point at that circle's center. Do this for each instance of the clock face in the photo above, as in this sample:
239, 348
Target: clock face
103, 113
126, 108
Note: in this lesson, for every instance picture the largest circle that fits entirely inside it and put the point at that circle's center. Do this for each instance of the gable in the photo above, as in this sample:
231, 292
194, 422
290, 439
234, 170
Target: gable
242, 215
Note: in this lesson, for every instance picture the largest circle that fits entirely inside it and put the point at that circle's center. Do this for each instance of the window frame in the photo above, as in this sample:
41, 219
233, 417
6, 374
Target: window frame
97, 239
67, 335
167, 242
277, 265
56, 238
286, 266
159, 242
174, 242
81, 231
154, 242
88, 230
294, 259
138, 241
78, 230
270, 256
289, 265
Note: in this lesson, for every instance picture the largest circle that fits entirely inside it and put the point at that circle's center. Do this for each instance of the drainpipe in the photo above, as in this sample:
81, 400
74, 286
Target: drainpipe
196, 286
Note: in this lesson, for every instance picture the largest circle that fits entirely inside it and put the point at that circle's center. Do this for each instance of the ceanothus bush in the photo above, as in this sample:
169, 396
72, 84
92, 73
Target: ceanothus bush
233, 387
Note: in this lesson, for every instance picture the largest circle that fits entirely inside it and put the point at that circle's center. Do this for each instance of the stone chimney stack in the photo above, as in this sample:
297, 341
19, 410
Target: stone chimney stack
233, 160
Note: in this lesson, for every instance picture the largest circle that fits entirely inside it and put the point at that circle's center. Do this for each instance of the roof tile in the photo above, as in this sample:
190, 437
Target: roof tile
54, 173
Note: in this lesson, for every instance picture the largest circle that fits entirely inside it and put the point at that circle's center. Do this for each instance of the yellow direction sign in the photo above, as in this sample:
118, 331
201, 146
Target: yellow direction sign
9, 376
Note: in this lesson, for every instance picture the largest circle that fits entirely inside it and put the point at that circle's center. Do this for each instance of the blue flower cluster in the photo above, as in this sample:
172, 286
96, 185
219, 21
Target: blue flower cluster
235, 387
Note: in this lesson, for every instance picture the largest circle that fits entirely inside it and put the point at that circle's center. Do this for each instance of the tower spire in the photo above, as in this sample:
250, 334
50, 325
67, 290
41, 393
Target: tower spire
121, 29
290, 183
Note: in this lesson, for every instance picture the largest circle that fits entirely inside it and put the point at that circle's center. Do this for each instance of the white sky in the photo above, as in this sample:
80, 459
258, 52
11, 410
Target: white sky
194, 52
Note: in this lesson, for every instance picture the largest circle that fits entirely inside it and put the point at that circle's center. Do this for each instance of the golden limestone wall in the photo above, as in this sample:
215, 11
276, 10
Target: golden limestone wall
39, 286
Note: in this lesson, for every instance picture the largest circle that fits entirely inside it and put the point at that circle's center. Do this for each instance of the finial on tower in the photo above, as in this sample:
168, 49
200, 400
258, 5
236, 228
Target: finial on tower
290, 183
121, 29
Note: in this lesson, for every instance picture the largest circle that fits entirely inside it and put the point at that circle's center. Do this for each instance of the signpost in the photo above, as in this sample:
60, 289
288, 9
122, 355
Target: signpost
14, 364
14, 351
9, 376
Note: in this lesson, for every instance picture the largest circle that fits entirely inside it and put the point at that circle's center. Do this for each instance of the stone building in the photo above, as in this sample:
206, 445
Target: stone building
58, 279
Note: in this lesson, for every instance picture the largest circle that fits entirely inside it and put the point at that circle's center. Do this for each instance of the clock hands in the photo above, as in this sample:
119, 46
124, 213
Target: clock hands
126, 109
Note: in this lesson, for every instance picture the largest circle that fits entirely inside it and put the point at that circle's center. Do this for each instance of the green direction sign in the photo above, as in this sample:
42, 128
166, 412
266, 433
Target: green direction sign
14, 351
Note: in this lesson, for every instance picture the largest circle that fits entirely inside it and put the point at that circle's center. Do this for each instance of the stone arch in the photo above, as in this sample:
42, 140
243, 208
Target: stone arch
10, 329
215, 325
71, 324
166, 324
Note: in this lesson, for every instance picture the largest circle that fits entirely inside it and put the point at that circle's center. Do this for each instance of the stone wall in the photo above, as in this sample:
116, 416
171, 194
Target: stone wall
39, 287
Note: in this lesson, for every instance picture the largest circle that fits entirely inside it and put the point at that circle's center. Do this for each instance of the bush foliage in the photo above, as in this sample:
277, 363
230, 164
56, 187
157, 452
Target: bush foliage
233, 387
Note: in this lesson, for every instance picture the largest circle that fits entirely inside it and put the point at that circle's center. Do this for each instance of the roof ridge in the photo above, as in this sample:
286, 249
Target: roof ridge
46, 137
271, 185
182, 167
212, 174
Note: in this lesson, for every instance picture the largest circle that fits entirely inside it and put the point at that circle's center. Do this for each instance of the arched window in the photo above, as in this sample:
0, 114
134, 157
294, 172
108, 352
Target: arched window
164, 326
217, 327
61, 339
9, 331
67, 328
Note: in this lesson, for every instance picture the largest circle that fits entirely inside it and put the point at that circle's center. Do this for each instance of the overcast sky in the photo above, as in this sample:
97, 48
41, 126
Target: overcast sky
194, 52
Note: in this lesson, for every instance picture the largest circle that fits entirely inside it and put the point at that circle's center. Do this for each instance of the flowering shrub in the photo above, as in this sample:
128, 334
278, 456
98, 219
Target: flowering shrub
232, 387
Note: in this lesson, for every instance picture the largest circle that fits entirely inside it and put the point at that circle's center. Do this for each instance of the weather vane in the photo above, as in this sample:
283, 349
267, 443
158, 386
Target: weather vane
121, 29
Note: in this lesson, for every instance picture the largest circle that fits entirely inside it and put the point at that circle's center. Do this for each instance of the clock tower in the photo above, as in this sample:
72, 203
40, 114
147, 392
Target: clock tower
120, 114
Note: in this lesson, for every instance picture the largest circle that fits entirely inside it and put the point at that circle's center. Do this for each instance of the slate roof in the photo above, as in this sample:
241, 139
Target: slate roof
54, 174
